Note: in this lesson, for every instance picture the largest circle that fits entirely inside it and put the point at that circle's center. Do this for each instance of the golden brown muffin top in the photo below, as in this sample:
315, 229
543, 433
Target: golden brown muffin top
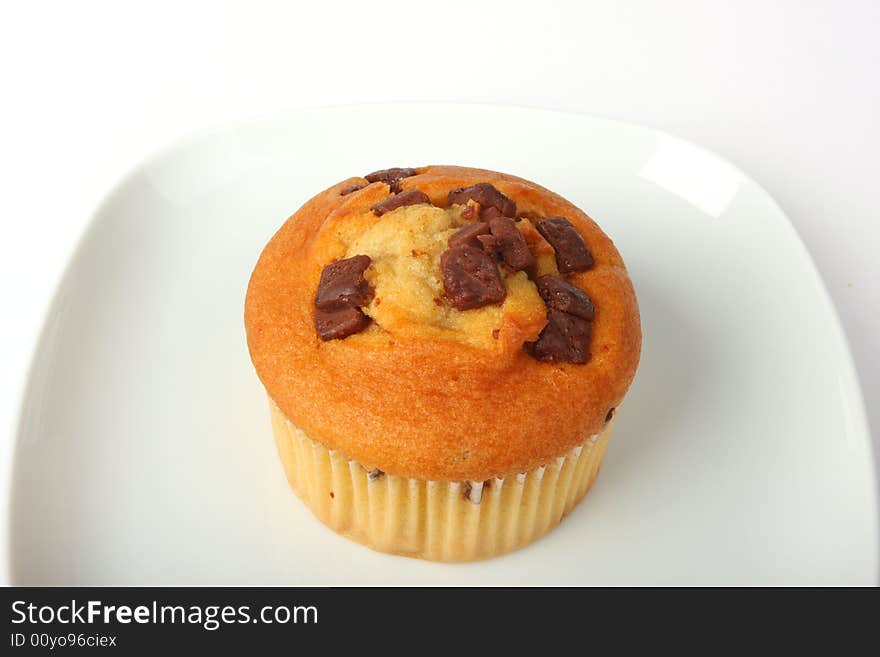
366, 332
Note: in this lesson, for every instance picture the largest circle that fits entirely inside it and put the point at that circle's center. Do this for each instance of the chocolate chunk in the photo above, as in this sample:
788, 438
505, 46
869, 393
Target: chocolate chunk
339, 323
508, 242
490, 245
375, 474
566, 338
471, 278
469, 234
559, 294
409, 197
484, 194
391, 177
572, 253
489, 213
348, 189
343, 284
609, 415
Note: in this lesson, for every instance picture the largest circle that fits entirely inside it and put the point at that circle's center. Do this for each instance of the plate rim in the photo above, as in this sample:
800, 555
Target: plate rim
175, 145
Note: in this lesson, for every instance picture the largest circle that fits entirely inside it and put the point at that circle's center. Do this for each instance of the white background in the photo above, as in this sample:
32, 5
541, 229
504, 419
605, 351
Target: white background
788, 91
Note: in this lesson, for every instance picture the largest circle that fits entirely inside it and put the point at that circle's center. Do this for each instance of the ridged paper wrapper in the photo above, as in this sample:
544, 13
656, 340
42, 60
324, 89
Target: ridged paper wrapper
435, 520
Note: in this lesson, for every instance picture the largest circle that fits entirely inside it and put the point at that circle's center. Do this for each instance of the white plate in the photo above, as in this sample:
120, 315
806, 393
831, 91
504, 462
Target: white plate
144, 456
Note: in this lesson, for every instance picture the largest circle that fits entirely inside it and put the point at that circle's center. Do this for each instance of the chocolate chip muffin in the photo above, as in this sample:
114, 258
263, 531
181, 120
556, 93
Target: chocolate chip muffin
443, 349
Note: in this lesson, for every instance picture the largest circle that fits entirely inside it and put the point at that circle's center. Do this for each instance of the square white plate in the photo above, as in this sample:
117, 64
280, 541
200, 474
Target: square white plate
144, 453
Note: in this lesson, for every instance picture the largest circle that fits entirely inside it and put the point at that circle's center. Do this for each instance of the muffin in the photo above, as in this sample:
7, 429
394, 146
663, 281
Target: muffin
443, 349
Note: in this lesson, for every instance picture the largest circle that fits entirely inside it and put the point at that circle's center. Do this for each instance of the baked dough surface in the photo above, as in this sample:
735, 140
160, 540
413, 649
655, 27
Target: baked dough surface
427, 391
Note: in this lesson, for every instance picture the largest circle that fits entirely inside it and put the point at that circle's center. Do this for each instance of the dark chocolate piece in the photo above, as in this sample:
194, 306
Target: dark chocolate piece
572, 253
471, 493
489, 213
340, 322
489, 244
469, 233
609, 415
471, 278
566, 338
341, 290
559, 294
348, 189
343, 284
484, 194
409, 197
391, 177
508, 242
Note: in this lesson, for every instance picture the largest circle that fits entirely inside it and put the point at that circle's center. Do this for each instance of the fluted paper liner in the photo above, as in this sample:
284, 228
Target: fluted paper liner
435, 520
